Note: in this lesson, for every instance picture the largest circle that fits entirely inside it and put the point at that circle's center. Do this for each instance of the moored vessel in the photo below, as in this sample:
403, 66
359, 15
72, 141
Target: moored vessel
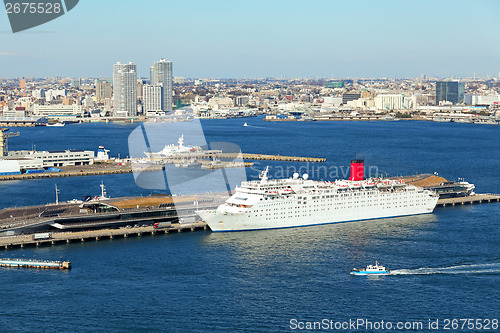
175, 150
297, 202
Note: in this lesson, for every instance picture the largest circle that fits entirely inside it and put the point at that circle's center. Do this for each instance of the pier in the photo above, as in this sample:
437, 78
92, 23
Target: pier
33, 263
109, 233
84, 172
470, 200
22, 122
22, 241
114, 168
247, 156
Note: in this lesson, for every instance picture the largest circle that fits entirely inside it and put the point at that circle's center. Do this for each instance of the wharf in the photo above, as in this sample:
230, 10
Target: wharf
33, 263
471, 200
96, 235
115, 168
21, 122
83, 171
247, 156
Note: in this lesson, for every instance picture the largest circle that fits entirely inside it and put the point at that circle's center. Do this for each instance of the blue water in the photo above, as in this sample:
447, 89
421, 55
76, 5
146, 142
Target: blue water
447, 263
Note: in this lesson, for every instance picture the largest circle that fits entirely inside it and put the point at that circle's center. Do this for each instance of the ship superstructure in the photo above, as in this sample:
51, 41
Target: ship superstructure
299, 201
173, 150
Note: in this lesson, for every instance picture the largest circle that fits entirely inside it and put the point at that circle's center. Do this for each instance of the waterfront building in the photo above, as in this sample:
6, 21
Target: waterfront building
389, 102
56, 158
152, 98
125, 90
18, 112
9, 165
217, 103
481, 99
58, 110
450, 91
161, 74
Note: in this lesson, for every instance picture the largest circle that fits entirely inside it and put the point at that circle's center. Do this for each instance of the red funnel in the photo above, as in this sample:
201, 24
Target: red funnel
357, 170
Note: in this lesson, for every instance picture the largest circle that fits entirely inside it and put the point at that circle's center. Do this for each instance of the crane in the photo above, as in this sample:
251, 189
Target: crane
4, 140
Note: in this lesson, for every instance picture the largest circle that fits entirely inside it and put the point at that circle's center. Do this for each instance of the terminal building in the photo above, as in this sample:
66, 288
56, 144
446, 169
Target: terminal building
55, 158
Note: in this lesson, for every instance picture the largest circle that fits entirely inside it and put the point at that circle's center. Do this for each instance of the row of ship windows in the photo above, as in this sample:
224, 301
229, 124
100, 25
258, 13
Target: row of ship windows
358, 201
344, 195
316, 210
363, 203
302, 215
329, 202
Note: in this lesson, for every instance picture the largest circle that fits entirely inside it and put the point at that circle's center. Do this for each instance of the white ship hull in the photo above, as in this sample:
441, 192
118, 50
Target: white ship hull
294, 202
286, 213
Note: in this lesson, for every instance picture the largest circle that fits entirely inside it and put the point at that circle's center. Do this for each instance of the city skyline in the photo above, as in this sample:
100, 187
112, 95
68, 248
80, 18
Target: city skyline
230, 40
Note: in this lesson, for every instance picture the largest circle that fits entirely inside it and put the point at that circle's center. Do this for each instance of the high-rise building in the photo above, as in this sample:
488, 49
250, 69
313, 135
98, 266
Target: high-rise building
125, 89
140, 84
22, 83
161, 74
102, 90
152, 97
450, 91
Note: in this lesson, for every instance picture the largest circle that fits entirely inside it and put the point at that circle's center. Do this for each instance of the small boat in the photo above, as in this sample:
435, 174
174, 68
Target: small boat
376, 269
56, 125
245, 124
389, 118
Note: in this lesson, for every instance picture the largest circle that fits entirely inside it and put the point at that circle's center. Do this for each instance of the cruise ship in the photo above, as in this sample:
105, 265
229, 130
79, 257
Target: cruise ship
299, 201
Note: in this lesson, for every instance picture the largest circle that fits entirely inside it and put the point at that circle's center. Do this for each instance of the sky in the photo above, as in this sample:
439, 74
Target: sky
262, 38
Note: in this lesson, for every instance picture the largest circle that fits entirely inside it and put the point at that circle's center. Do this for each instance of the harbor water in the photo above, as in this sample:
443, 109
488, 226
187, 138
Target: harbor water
446, 264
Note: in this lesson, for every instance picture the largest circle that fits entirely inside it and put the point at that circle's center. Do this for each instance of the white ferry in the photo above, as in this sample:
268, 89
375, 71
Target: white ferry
297, 202
376, 269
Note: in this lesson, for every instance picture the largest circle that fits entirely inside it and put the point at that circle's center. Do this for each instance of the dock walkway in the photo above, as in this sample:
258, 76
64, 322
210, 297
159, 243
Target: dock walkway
96, 235
471, 200
247, 156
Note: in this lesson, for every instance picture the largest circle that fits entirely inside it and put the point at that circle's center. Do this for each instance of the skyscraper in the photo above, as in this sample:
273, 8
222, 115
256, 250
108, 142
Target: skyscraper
125, 89
152, 98
450, 91
161, 74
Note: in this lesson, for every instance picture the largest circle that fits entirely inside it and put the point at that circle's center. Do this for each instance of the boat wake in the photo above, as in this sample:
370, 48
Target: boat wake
254, 126
461, 269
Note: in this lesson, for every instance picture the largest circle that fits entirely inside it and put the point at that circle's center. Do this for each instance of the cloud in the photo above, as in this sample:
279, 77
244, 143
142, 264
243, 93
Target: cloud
6, 53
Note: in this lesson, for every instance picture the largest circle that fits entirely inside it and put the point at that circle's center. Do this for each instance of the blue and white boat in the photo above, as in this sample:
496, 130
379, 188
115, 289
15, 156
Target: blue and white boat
376, 269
